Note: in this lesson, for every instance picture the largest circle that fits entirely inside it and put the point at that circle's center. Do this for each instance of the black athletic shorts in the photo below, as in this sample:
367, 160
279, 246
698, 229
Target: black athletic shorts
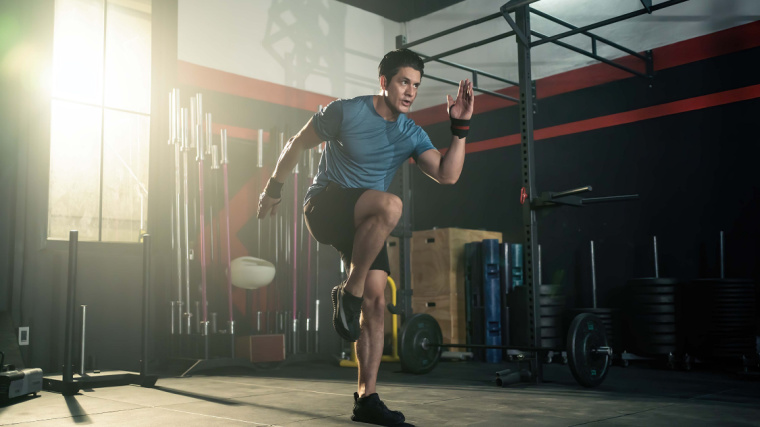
329, 216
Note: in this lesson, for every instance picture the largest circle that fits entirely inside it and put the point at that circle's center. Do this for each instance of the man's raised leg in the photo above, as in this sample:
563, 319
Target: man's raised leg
375, 216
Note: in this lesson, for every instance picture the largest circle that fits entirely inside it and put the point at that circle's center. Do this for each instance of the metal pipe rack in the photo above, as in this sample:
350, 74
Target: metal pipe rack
520, 27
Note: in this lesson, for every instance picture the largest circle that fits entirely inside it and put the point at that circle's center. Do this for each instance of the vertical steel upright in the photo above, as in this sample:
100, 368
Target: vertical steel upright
530, 229
145, 305
405, 246
71, 296
405, 242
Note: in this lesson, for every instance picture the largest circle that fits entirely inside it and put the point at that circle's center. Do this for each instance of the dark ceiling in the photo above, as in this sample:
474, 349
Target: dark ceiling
401, 10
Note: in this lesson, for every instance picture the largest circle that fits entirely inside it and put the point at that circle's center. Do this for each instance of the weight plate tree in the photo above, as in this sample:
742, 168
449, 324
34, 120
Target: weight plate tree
588, 353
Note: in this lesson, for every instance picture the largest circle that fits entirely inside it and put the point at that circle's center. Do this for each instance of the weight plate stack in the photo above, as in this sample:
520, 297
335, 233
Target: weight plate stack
722, 318
610, 318
652, 316
553, 330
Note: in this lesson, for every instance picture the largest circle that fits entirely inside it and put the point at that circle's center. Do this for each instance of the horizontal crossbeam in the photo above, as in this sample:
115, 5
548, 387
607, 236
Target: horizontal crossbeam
476, 89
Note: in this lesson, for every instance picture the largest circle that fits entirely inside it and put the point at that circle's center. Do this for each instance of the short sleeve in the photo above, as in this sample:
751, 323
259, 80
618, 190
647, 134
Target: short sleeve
328, 121
422, 144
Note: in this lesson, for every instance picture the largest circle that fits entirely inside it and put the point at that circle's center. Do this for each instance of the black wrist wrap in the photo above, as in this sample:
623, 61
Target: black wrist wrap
460, 128
273, 188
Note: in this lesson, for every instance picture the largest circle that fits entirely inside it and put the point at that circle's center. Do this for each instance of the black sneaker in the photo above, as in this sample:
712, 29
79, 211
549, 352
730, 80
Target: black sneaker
371, 410
346, 311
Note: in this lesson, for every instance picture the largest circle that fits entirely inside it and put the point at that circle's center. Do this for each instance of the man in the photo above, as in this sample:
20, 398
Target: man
348, 207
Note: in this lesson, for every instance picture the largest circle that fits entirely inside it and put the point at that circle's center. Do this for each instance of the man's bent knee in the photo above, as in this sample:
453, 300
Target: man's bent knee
379, 205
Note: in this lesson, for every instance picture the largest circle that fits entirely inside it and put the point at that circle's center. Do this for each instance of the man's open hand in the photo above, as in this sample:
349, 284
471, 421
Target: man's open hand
461, 107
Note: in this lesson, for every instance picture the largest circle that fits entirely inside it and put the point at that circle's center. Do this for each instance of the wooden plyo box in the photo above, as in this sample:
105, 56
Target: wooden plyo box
260, 348
438, 276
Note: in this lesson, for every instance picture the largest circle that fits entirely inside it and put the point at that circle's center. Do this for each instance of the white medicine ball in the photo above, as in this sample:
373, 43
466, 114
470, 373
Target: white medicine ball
251, 273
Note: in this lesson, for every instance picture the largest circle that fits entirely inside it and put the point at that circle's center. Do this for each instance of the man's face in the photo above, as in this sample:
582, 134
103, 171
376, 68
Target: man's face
402, 89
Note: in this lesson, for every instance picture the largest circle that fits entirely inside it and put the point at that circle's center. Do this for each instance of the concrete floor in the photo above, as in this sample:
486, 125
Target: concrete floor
454, 394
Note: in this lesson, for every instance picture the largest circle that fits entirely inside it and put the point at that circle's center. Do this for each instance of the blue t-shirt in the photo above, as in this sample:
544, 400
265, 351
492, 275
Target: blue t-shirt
363, 149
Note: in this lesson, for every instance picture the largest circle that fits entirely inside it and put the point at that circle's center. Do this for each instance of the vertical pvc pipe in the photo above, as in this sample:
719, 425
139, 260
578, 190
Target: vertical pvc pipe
68, 369
185, 149
260, 149
209, 134
172, 124
193, 122
225, 161
202, 240
199, 110
145, 304
198, 315
295, 246
177, 232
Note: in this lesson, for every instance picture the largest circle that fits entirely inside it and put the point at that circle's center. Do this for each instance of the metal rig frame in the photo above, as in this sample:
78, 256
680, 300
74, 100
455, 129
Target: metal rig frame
531, 198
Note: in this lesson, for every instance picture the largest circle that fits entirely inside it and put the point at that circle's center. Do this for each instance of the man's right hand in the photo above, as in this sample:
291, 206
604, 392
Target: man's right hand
267, 205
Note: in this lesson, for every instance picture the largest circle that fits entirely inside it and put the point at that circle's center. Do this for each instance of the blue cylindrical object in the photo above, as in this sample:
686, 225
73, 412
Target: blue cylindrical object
516, 264
491, 290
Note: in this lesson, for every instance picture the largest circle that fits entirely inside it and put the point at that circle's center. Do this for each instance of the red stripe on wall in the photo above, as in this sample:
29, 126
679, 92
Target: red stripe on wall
235, 84
708, 46
691, 104
696, 49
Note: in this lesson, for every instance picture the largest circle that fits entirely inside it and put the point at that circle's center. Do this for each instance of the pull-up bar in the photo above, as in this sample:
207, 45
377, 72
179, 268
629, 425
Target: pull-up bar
515, 4
475, 88
605, 22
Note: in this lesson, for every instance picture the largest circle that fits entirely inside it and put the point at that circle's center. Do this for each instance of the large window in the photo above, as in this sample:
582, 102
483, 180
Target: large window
100, 120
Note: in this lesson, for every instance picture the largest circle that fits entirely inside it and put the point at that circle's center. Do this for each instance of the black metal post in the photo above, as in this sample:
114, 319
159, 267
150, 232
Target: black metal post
530, 228
146, 304
405, 242
68, 368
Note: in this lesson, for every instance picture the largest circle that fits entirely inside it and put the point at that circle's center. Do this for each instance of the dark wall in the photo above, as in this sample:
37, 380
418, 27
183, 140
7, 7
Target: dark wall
694, 172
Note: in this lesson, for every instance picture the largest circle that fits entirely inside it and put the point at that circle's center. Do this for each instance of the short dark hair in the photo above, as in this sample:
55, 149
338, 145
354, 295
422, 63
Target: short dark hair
396, 59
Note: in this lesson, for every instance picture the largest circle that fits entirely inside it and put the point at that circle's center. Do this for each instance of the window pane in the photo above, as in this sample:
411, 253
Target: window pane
125, 176
127, 83
78, 50
74, 170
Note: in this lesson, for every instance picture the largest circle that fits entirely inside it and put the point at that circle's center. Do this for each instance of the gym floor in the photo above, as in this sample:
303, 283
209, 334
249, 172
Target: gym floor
455, 393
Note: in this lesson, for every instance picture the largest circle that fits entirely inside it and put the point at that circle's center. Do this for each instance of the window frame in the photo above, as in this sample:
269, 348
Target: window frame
102, 106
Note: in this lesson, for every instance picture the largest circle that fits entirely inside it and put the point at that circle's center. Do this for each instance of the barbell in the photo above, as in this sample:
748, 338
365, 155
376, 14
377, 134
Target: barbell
588, 352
